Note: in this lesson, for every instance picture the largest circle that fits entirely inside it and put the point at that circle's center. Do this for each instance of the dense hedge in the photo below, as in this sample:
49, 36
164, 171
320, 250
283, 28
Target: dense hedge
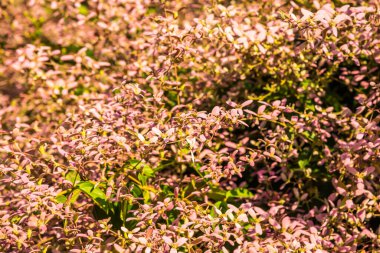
189, 126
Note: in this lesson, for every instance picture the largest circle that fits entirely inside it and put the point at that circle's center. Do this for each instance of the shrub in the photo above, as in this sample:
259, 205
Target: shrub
189, 126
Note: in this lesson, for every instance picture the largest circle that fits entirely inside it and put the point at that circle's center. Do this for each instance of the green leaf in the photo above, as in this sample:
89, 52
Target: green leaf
217, 194
136, 191
75, 194
83, 10
197, 167
148, 171
166, 190
142, 178
79, 90
146, 196
95, 193
303, 163
239, 193
73, 177
151, 10
132, 164
61, 198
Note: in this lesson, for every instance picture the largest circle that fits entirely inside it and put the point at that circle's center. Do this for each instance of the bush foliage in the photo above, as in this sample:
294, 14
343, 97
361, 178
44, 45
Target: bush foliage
189, 126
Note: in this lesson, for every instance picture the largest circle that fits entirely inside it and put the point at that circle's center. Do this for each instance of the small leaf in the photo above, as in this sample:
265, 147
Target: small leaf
148, 171
156, 131
141, 137
83, 10
306, 14
74, 195
258, 229
167, 240
216, 111
261, 109
239, 193
303, 163
246, 103
61, 198
132, 164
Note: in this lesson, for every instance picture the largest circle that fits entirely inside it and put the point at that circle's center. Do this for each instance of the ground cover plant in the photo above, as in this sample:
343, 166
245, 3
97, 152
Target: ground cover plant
189, 126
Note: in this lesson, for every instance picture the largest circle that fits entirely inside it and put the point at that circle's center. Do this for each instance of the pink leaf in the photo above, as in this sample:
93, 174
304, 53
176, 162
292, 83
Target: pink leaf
167, 240
156, 131
358, 78
285, 222
322, 15
246, 103
276, 103
306, 14
143, 240
258, 229
352, 170
274, 223
67, 58
141, 137
361, 214
369, 170
181, 241
359, 136
341, 18
216, 111
232, 104
350, 204
230, 144
261, 109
